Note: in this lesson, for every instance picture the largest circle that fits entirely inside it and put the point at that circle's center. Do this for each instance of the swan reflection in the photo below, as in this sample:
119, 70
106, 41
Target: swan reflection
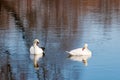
83, 59
35, 58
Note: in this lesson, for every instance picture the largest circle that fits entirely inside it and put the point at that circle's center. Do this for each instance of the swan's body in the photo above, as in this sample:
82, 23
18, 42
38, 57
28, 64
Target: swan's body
80, 51
35, 49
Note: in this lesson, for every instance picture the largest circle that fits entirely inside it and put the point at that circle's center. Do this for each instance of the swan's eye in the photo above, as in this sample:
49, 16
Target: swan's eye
37, 43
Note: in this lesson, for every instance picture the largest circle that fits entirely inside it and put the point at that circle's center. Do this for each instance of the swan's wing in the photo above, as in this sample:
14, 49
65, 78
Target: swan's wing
76, 51
38, 50
32, 50
87, 52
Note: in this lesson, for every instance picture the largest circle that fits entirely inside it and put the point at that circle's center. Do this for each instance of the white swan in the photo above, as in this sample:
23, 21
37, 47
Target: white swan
80, 51
36, 53
34, 49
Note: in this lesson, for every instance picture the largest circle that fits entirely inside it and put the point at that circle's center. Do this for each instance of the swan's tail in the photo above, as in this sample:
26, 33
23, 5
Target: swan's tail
43, 48
69, 54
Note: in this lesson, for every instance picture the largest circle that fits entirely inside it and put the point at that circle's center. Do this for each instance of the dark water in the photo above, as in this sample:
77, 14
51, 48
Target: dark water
60, 25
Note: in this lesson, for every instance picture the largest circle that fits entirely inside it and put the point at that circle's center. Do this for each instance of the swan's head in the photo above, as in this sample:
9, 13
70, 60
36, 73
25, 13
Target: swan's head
36, 41
85, 45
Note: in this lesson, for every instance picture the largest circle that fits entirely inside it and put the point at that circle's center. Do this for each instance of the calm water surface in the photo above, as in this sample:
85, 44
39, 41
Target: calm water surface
60, 25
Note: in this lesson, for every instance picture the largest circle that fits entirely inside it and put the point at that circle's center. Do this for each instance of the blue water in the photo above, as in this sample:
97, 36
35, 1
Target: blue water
60, 26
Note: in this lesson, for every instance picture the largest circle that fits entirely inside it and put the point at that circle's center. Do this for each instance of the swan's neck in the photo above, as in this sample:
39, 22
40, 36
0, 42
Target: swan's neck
35, 45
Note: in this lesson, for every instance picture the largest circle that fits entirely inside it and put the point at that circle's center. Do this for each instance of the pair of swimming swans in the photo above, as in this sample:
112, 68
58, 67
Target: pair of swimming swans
35, 49
37, 52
